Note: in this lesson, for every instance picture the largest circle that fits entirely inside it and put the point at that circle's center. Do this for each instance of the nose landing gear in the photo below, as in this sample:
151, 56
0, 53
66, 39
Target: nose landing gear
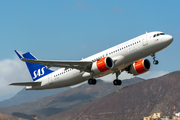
155, 62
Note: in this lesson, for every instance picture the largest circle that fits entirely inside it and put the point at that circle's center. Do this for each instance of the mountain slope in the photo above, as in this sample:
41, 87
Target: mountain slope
67, 99
131, 102
24, 96
8, 117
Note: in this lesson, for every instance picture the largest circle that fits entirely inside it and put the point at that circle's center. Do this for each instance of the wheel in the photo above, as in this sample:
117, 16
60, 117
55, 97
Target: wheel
117, 82
92, 81
155, 62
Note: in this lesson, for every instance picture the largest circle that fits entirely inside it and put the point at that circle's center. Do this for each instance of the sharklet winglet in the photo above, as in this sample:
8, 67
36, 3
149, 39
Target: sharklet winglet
19, 55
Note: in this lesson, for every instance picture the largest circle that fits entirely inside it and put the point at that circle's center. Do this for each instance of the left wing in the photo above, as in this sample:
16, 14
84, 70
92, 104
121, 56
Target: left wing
80, 65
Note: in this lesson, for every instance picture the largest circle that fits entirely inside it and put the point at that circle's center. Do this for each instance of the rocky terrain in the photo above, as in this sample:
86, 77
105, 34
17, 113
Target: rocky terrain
131, 102
67, 99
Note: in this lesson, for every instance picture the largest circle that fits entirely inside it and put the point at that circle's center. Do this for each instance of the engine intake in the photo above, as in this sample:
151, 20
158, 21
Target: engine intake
139, 67
102, 65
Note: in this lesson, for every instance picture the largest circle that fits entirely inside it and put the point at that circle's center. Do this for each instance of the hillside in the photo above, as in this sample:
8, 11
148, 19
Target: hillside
131, 102
24, 96
8, 117
68, 99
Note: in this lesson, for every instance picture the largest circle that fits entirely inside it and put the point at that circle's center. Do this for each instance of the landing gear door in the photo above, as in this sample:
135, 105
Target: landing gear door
50, 79
144, 39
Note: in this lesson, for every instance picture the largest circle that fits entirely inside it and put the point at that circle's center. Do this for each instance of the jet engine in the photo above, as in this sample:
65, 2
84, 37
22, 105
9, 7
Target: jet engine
102, 65
139, 67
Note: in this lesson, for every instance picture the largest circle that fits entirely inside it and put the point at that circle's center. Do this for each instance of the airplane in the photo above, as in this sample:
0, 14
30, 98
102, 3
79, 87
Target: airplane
128, 56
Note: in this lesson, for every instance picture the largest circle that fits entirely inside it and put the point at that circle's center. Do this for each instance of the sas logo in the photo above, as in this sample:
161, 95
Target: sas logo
156, 40
38, 73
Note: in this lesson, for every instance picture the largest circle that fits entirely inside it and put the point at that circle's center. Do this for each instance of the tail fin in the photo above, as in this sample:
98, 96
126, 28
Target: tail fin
36, 70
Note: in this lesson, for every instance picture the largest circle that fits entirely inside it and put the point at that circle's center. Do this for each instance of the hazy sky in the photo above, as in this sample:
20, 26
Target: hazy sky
72, 30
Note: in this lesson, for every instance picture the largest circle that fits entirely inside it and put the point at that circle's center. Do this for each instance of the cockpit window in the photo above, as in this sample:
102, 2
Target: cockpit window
155, 35
162, 34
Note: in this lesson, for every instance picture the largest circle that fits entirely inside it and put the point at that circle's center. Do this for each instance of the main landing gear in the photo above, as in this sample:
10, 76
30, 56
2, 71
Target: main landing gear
92, 81
155, 62
117, 81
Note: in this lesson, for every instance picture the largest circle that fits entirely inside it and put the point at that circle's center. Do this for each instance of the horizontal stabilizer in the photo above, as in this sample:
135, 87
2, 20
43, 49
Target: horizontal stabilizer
26, 83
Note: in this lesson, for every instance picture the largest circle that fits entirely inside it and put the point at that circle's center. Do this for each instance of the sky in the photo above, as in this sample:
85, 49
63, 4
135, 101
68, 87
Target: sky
76, 29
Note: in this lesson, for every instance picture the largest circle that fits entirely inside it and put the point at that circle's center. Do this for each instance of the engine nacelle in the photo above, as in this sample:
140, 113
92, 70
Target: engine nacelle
102, 65
140, 67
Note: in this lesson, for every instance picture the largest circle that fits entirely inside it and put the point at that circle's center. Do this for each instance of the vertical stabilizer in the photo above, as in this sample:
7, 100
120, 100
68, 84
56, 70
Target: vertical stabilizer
36, 70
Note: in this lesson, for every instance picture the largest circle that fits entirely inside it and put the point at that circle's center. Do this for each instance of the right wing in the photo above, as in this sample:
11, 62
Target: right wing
26, 83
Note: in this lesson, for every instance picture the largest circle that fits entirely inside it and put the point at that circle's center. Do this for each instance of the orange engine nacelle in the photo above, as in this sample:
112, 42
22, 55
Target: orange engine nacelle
102, 65
140, 67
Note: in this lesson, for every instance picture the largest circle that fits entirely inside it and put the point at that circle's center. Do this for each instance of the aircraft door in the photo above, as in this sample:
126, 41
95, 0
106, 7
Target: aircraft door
144, 39
50, 79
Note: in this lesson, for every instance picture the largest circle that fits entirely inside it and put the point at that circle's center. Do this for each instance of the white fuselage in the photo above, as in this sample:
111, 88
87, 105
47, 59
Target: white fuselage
123, 55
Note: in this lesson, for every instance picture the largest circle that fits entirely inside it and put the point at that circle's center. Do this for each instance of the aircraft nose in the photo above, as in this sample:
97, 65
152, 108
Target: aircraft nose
170, 38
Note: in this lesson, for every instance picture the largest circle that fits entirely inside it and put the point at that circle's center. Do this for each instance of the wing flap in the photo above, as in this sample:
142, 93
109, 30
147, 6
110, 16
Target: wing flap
26, 84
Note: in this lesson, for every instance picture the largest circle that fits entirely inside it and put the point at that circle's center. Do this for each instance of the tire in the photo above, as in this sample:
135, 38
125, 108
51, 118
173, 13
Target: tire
90, 81
94, 81
119, 82
115, 82
155, 62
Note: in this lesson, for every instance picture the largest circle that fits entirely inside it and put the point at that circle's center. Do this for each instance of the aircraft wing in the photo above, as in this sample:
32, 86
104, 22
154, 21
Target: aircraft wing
80, 65
26, 83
